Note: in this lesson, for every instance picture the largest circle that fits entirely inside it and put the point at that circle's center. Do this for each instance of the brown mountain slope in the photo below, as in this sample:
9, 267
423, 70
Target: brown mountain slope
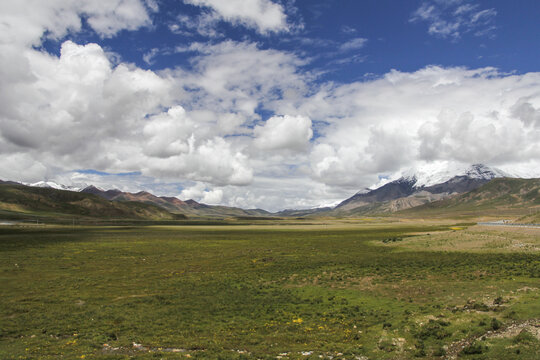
502, 197
190, 208
23, 199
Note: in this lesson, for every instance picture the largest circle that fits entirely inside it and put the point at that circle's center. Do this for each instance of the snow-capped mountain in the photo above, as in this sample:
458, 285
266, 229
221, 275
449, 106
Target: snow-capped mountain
423, 184
426, 176
440, 172
53, 185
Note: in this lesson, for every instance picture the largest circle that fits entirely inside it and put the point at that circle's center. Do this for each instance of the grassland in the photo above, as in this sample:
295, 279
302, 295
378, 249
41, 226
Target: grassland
302, 291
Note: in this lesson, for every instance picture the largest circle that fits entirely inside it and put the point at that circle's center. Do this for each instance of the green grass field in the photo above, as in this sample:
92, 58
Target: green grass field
262, 292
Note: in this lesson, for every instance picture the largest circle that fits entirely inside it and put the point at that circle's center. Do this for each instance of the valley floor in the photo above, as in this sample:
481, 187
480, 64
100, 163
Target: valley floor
352, 289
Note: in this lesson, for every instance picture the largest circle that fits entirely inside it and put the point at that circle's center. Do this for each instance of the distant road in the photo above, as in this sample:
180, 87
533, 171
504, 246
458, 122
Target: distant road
499, 223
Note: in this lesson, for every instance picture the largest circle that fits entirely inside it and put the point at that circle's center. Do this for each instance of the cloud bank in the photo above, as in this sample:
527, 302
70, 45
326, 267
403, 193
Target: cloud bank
243, 125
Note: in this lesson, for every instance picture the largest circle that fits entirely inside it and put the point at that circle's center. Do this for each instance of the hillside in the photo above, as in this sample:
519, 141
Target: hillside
416, 187
190, 208
20, 200
501, 197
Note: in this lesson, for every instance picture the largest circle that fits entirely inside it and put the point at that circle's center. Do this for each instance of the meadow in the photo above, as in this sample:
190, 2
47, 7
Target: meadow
333, 290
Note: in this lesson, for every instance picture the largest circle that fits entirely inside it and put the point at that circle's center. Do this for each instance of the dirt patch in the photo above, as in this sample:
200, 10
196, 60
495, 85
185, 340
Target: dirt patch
132, 296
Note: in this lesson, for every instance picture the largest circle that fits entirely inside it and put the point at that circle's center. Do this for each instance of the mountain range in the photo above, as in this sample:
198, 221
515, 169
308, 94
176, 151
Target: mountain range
189, 207
421, 190
417, 188
20, 201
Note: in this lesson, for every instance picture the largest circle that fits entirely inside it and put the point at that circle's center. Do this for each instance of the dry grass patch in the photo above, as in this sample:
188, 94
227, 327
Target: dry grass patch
475, 238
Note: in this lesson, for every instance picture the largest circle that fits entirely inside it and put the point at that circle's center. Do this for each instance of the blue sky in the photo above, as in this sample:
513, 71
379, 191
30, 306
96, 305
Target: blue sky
395, 37
264, 103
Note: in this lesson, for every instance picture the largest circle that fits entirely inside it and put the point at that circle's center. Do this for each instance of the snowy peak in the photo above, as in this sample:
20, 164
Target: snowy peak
438, 173
53, 185
480, 171
424, 183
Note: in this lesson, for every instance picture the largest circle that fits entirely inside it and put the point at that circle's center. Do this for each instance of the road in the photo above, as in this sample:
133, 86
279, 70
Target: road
498, 223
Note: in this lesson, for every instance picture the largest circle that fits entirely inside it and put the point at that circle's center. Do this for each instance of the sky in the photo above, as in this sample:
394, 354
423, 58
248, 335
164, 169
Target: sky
268, 104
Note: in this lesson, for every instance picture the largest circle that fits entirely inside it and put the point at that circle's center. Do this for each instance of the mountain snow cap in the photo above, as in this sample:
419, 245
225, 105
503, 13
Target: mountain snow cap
441, 171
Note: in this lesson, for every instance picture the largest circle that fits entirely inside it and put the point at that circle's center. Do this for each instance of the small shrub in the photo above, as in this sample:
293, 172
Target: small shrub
498, 300
480, 307
511, 315
443, 322
433, 329
420, 350
386, 345
440, 352
391, 239
524, 337
495, 324
473, 349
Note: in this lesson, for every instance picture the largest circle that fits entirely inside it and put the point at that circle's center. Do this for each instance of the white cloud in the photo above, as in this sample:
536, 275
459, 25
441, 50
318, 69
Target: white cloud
107, 18
167, 134
364, 129
211, 160
348, 29
150, 55
212, 125
152, 5
527, 112
263, 15
240, 77
18, 166
353, 44
203, 24
79, 111
284, 132
201, 193
453, 19
24, 22
454, 114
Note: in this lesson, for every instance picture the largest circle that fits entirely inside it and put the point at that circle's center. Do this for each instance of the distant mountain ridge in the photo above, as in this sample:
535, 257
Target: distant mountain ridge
405, 190
174, 205
417, 188
17, 200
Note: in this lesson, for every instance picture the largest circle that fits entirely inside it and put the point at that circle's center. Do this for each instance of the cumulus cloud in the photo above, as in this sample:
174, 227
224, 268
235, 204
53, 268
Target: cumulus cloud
24, 22
457, 114
263, 15
526, 112
468, 138
213, 126
284, 132
241, 77
167, 134
453, 19
212, 160
201, 193
17, 166
79, 94
79, 111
